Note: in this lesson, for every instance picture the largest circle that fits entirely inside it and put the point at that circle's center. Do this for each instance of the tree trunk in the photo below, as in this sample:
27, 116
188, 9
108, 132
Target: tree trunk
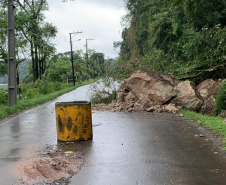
36, 62
33, 60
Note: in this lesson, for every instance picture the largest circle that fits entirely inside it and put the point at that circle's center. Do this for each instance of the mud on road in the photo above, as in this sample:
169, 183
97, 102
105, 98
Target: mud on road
127, 148
50, 166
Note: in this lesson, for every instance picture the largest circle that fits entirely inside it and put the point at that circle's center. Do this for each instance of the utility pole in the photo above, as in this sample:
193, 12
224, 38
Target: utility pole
12, 83
87, 58
72, 60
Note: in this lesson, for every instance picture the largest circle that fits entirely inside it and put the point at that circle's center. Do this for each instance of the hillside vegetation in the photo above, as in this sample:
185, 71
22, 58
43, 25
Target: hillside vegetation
183, 37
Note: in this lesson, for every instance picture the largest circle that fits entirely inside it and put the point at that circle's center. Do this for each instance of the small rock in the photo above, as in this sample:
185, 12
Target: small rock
172, 108
130, 110
202, 135
113, 101
119, 108
150, 109
223, 114
196, 135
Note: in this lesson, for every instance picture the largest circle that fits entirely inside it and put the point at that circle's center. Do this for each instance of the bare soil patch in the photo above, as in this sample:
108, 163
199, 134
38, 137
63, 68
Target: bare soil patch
49, 168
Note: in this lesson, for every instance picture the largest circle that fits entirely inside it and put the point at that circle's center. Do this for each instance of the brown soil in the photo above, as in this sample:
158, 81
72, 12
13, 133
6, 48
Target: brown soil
47, 168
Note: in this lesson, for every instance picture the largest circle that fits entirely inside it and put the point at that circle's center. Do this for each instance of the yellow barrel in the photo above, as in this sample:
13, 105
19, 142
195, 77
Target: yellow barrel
74, 121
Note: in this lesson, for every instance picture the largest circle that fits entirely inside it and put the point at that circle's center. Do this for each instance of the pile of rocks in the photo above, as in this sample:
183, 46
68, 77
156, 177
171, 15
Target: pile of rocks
135, 106
155, 92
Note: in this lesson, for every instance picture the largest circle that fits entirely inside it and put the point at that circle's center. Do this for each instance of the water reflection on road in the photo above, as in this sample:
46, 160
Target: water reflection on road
3, 86
127, 148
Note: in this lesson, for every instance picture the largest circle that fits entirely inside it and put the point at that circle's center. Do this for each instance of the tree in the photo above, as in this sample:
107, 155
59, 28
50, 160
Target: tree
31, 25
3, 36
179, 37
97, 64
33, 34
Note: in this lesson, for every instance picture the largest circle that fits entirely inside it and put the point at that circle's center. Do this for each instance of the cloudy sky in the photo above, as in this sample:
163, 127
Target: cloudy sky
97, 19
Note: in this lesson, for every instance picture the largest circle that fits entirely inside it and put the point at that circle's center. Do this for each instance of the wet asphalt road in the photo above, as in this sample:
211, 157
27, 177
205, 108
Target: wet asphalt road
127, 149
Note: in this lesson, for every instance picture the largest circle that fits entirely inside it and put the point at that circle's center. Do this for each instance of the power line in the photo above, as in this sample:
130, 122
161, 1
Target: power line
72, 61
69, 14
68, 21
76, 16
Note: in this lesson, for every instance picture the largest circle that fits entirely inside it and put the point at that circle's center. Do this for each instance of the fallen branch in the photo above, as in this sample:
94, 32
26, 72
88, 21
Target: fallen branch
204, 71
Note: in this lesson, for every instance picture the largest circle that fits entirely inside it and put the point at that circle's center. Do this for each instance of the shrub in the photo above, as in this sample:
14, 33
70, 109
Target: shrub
58, 86
43, 86
3, 96
27, 91
221, 98
103, 91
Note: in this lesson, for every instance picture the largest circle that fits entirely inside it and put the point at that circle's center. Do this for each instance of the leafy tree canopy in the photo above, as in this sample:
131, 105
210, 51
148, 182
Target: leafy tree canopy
181, 37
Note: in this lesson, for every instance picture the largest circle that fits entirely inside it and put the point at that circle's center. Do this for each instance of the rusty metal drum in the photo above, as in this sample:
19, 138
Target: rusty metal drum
74, 121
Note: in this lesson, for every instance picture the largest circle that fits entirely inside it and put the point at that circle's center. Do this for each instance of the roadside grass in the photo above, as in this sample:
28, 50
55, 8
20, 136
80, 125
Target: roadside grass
216, 124
30, 103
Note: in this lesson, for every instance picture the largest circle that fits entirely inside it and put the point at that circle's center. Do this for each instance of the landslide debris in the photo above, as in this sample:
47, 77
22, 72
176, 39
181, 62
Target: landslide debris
155, 92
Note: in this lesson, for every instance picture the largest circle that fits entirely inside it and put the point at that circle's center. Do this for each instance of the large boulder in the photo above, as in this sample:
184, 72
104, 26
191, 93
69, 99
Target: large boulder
207, 89
222, 114
130, 97
208, 106
121, 93
151, 88
186, 96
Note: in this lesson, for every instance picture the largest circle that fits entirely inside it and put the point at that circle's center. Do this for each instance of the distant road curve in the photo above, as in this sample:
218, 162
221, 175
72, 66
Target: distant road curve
3, 85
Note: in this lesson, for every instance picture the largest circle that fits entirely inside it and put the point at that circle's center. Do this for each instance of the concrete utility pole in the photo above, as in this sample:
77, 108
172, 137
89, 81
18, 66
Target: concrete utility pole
72, 60
87, 58
12, 83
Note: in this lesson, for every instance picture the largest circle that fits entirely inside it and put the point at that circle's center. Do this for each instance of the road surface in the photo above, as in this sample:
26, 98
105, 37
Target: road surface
127, 149
3, 86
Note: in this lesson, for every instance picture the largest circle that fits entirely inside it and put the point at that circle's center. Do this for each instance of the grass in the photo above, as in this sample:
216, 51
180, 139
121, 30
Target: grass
216, 124
27, 104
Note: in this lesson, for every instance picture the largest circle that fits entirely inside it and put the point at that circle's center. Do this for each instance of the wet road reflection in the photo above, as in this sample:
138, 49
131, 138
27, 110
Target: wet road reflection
127, 148
22, 135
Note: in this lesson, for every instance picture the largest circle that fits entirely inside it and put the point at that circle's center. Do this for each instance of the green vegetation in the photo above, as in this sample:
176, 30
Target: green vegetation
98, 98
34, 47
36, 98
42, 74
33, 36
3, 96
184, 38
221, 99
214, 123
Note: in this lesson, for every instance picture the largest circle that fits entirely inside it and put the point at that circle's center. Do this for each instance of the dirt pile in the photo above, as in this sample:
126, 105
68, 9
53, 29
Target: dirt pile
155, 92
50, 167
135, 106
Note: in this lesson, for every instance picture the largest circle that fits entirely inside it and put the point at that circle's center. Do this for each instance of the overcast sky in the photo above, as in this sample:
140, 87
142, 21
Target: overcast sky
97, 19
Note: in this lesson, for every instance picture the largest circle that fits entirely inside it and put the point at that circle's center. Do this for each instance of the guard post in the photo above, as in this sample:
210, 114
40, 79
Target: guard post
74, 121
